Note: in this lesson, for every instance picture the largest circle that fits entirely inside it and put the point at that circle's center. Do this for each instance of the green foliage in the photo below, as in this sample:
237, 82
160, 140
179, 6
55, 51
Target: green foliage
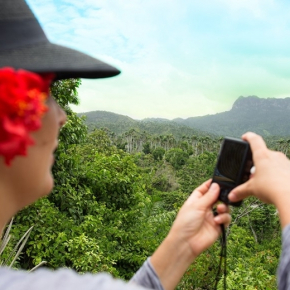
202, 273
172, 200
164, 178
176, 157
197, 170
184, 146
74, 131
57, 237
65, 92
158, 153
93, 219
259, 218
9, 255
120, 124
250, 266
247, 114
110, 209
147, 148
249, 279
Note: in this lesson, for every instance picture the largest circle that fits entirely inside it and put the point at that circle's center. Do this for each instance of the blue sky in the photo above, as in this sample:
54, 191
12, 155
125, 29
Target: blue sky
178, 58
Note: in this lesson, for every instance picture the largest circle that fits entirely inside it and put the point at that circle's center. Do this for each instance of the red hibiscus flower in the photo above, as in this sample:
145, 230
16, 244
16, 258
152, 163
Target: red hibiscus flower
22, 105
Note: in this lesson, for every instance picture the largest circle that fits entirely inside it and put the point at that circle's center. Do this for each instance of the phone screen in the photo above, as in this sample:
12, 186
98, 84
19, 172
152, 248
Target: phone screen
228, 169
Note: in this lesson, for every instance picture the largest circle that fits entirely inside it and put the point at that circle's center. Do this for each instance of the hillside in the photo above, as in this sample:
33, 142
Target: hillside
120, 124
267, 117
114, 122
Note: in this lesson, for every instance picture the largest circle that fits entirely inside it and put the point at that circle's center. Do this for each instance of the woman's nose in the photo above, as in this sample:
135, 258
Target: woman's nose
62, 116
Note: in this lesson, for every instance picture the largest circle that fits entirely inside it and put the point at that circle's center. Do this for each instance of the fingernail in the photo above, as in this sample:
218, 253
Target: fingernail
217, 219
232, 196
213, 187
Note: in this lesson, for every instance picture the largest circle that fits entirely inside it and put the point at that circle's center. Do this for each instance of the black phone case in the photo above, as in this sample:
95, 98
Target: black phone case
233, 167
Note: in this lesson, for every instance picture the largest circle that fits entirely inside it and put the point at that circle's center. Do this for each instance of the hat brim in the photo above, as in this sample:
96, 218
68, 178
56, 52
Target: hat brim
63, 61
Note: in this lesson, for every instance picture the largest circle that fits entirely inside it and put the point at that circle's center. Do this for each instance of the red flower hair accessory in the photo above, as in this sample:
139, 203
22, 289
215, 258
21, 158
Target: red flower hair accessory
22, 105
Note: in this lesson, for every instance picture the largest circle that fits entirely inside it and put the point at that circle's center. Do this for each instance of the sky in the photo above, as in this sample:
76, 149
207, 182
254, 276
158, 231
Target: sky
178, 58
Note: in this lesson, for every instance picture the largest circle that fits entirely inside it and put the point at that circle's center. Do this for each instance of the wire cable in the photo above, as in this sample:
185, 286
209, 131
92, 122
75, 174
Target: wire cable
223, 257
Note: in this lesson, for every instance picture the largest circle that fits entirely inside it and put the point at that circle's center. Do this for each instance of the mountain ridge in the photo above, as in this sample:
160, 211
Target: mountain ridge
267, 117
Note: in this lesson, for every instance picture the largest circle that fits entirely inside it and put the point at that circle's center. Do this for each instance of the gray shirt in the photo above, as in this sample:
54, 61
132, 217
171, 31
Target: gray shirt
145, 278
284, 266
66, 279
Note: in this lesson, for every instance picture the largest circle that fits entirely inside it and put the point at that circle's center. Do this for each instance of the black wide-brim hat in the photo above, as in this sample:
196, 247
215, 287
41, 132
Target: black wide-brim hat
23, 45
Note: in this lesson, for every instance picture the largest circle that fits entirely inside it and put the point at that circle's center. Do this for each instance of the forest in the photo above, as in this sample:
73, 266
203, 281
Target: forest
116, 196
249, 113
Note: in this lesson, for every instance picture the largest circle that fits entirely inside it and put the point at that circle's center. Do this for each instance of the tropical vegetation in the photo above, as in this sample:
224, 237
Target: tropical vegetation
116, 196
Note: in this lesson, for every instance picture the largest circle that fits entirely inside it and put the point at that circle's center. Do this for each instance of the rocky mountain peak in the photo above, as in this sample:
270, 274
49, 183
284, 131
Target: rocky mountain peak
255, 103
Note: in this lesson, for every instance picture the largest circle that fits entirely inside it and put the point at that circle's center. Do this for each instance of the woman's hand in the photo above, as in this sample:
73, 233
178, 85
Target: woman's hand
194, 230
271, 180
195, 224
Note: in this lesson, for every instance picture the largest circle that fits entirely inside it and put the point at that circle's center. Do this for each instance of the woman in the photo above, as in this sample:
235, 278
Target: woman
30, 121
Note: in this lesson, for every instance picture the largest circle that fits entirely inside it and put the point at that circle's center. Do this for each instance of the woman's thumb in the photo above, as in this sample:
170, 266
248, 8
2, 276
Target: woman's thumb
211, 196
240, 192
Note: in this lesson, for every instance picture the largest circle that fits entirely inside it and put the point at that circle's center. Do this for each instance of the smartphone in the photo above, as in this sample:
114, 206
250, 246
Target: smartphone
233, 167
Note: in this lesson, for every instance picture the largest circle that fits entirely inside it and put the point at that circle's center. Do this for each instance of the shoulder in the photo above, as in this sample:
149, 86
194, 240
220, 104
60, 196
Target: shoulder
283, 270
64, 279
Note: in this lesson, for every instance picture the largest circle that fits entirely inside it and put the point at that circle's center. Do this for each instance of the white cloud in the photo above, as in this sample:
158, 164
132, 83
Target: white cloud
256, 8
178, 58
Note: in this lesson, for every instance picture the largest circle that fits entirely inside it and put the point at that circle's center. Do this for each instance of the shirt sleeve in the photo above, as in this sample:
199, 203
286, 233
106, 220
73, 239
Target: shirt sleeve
66, 279
147, 277
283, 274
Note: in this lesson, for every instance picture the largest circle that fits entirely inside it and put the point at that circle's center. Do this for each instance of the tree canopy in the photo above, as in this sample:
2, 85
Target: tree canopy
112, 205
